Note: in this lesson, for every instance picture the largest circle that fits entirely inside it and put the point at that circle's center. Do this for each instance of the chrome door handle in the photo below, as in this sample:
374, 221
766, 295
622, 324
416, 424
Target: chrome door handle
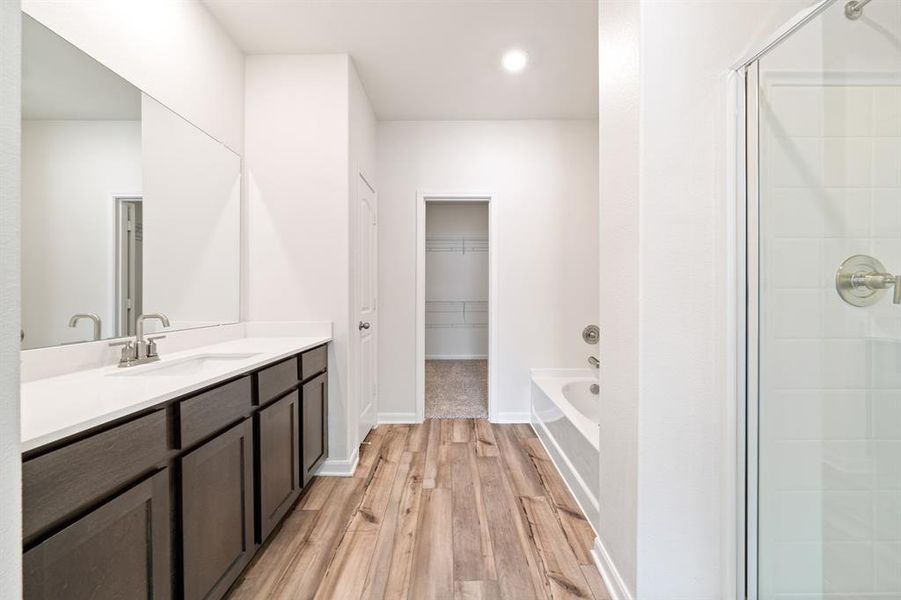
364, 325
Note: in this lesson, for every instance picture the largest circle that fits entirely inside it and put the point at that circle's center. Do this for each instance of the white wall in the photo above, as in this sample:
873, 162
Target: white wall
618, 346
172, 49
306, 124
456, 280
684, 525
191, 208
544, 176
684, 454
70, 172
10, 454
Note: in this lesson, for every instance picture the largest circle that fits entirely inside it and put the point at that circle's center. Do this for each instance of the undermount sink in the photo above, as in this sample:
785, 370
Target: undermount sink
190, 365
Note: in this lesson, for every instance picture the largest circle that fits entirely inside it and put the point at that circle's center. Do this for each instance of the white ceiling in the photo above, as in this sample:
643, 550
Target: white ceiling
439, 59
59, 81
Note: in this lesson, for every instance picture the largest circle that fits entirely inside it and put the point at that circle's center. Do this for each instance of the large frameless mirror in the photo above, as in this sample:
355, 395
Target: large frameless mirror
127, 208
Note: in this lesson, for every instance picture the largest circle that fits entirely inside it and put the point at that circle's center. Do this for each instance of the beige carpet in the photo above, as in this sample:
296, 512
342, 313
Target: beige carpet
456, 389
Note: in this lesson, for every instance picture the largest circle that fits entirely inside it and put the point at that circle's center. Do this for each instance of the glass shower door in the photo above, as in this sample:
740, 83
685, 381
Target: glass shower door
828, 407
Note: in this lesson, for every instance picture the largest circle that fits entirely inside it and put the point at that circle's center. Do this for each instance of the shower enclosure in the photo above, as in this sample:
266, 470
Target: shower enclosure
821, 259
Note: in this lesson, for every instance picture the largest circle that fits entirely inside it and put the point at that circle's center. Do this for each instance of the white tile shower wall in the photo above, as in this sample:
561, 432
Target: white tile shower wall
831, 373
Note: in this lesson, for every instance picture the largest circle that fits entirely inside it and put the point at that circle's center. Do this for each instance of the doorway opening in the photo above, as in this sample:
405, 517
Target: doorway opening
456, 300
129, 263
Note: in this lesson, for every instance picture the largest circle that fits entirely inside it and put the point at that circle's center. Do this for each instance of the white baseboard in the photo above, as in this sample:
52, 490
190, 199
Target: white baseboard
397, 418
512, 417
457, 357
340, 468
612, 579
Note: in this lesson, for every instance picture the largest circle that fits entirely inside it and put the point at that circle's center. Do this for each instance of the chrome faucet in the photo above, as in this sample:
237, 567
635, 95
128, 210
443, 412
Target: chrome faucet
594, 362
141, 351
93, 317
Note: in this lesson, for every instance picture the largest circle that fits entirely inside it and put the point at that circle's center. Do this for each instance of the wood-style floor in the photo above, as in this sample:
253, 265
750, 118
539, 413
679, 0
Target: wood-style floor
456, 509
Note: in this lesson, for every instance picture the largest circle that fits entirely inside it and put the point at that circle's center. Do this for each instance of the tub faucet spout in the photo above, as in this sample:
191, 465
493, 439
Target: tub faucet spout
594, 362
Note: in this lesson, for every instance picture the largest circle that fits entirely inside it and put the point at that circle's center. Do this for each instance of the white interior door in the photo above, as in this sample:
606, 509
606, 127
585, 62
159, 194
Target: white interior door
367, 316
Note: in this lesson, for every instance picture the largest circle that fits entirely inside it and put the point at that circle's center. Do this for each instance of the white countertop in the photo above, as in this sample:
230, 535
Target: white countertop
57, 407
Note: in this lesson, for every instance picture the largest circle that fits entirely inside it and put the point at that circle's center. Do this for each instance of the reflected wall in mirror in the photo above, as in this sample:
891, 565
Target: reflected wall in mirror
126, 207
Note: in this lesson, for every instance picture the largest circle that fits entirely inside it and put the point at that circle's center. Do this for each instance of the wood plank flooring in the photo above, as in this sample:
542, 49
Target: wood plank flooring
447, 509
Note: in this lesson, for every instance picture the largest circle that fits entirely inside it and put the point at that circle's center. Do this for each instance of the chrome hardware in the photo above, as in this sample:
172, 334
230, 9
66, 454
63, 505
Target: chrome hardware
128, 356
594, 362
854, 9
363, 325
141, 351
151, 346
591, 334
862, 280
594, 389
93, 317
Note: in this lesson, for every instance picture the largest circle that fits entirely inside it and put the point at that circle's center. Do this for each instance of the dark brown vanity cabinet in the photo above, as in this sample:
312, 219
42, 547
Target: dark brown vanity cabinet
217, 512
175, 500
118, 550
314, 418
278, 427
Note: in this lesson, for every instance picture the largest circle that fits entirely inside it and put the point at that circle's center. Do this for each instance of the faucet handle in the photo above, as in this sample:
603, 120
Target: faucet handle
129, 351
151, 345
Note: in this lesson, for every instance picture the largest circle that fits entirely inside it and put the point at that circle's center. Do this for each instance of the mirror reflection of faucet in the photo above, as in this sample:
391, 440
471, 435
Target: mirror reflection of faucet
79, 316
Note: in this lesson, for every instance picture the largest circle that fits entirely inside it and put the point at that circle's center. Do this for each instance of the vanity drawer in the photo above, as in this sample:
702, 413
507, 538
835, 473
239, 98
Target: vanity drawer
212, 410
314, 361
277, 379
62, 482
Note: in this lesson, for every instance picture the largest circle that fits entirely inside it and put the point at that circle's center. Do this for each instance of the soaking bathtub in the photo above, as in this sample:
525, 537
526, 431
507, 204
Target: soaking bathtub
565, 415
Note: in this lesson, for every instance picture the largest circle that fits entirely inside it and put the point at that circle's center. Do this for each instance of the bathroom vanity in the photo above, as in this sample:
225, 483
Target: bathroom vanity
170, 493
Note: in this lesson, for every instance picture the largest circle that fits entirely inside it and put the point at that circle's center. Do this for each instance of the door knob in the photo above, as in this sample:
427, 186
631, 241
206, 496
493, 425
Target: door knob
861, 280
363, 325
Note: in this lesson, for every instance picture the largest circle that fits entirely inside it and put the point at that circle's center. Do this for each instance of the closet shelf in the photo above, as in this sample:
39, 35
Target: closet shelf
461, 244
456, 314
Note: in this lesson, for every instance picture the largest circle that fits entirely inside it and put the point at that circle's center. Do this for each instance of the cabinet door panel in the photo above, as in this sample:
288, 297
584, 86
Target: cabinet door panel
62, 482
279, 441
119, 550
217, 512
315, 425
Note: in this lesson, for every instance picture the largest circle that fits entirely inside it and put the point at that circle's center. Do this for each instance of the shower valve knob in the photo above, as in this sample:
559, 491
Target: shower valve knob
861, 280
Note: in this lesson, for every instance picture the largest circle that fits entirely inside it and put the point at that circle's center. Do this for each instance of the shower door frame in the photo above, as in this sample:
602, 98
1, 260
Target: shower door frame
743, 306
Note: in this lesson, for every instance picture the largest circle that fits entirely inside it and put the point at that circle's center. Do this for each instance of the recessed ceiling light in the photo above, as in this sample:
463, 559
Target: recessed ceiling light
515, 60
